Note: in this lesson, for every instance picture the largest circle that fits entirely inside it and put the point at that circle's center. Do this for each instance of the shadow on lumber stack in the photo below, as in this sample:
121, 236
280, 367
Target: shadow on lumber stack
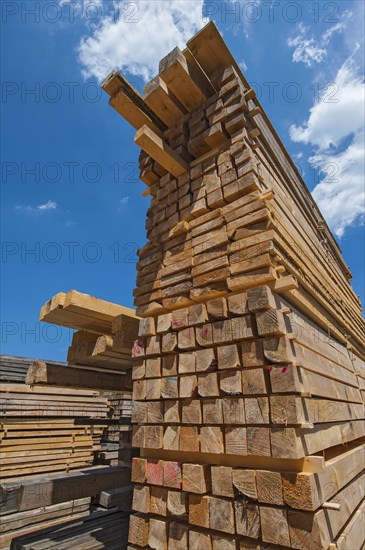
248, 375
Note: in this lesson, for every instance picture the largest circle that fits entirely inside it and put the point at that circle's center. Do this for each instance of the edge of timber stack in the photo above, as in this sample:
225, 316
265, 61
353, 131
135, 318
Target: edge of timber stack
248, 369
54, 427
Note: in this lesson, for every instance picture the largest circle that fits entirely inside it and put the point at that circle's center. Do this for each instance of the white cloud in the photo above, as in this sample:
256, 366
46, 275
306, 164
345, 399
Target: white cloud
242, 65
335, 115
143, 33
124, 200
245, 13
329, 32
341, 193
49, 205
308, 50
336, 129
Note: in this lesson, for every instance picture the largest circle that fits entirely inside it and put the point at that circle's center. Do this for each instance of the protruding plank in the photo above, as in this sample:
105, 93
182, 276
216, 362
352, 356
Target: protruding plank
163, 102
270, 323
152, 144
126, 100
58, 375
260, 299
182, 80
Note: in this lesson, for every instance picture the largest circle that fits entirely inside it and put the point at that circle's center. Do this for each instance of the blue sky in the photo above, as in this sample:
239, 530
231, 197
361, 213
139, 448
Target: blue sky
72, 211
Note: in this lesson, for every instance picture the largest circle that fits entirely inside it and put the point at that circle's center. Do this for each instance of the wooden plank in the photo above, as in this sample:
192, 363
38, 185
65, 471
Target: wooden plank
81, 311
20, 494
307, 491
320, 529
183, 80
150, 142
163, 102
45, 373
352, 536
129, 103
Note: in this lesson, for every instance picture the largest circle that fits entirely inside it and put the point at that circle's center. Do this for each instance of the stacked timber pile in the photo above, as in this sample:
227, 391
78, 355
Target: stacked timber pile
106, 331
46, 426
248, 368
48, 429
102, 344
36, 505
102, 529
99, 357
30, 521
116, 449
50, 423
14, 369
61, 417
116, 441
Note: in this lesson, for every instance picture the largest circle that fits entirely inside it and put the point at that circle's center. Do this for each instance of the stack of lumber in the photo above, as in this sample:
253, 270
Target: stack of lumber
47, 429
15, 369
249, 364
22, 523
28, 493
106, 331
58, 420
116, 448
30, 504
77, 376
101, 530
120, 498
116, 440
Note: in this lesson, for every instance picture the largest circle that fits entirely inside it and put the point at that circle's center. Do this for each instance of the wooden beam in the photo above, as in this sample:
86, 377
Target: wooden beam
23, 494
83, 312
128, 102
154, 146
58, 375
163, 102
182, 80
